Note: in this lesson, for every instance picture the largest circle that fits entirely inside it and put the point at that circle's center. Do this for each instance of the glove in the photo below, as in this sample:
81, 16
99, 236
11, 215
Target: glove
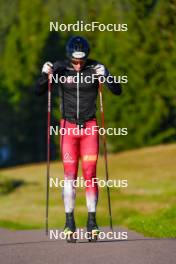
47, 67
101, 70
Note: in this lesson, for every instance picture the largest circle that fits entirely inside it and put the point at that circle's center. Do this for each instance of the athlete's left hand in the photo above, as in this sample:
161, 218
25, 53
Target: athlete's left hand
101, 70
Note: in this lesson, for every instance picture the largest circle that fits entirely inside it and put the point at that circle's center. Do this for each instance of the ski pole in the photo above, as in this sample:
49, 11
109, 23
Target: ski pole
48, 152
105, 153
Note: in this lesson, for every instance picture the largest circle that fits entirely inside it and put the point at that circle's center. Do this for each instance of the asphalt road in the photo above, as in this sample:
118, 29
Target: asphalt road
33, 247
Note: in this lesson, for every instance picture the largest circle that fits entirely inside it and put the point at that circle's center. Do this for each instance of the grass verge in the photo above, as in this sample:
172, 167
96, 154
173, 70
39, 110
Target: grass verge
147, 205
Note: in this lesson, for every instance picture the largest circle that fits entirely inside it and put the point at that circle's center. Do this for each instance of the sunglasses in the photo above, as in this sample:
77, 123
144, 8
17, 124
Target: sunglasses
76, 62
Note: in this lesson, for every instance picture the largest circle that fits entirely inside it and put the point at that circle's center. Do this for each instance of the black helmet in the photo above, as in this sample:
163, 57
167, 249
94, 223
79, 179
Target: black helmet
77, 48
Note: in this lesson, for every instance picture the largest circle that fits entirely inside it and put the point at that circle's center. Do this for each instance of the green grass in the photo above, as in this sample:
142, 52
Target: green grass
147, 205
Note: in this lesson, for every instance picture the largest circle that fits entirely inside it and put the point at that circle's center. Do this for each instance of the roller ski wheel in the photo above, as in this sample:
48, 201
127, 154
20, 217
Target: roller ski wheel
93, 236
69, 235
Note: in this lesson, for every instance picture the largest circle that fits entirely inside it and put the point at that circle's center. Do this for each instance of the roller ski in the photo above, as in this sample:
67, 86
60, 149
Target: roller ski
70, 228
92, 228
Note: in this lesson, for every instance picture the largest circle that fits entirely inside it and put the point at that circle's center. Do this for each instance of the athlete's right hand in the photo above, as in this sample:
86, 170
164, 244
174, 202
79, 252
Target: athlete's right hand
47, 67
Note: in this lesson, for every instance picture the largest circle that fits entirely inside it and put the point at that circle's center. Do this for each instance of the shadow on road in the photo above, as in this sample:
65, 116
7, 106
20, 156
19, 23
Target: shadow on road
87, 242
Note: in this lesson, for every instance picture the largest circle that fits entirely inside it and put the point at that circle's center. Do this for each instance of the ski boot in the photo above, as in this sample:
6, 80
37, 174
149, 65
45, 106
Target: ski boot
70, 228
92, 227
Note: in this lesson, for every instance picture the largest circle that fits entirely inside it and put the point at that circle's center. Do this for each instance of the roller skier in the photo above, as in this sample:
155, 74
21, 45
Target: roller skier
78, 109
